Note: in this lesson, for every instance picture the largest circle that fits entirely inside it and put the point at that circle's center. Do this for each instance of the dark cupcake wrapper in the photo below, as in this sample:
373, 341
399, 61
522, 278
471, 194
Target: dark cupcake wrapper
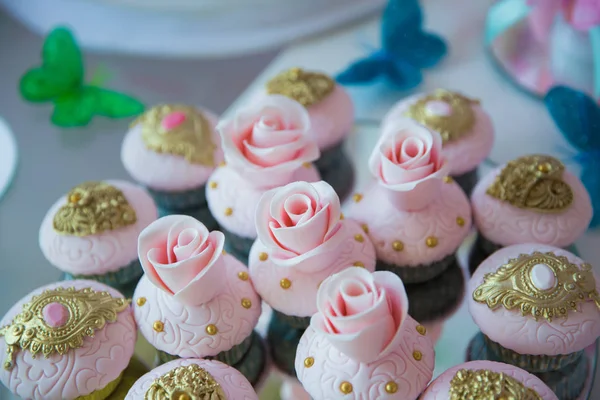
336, 169
202, 214
420, 273
253, 364
467, 181
238, 246
292, 321
283, 340
117, 279
182, 200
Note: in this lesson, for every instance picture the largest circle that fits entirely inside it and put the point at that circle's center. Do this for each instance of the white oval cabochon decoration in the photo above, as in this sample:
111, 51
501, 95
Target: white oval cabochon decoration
8, 156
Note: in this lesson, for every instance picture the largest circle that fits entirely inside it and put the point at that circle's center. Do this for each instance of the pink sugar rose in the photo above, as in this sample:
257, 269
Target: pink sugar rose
361, 313
182, 258
267, 142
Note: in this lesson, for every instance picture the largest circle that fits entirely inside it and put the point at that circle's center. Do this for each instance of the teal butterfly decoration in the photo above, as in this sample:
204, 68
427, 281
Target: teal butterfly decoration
60, 80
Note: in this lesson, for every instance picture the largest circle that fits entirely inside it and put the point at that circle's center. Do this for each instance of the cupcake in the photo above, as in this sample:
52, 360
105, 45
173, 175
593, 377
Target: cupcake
192, 379
487, 380
416, 216
65, 341
362, 344
266, 146
194, 301
172, 150
466, 129
332, 119
134, 371
538, 308
302, 240
532, 199
91, 232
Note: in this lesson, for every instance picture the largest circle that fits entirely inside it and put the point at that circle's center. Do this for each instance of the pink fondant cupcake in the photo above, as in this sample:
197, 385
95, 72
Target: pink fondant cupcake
362, 344
194, 301
416, 216
302, 240
65, 341
487, 380
332, 119
266, 146
172, 150
538, 308
466, 129
532, 199
91, 232
193, 379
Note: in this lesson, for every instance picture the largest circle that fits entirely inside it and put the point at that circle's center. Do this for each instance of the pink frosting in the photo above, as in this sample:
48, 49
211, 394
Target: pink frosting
267, 142
505, 224
331, 367
235, 386
407, 161
524, 334
581, 14
331, 119
233, 191
78, 372
162, 171
439, 389
184, 326
102, 253
462, 155
386, 225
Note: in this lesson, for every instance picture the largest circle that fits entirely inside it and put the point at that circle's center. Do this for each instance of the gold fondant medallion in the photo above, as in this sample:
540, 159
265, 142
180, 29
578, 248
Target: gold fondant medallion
449, 113
178, 130
190, 383
535, 183
93, 208
488, 385
58, 320
542, 285
307, 88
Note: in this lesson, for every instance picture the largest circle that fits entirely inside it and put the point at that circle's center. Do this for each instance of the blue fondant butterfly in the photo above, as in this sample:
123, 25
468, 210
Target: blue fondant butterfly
405, 50
578, 118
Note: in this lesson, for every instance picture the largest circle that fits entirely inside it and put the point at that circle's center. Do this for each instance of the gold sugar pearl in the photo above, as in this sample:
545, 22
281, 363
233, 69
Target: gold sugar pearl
346, 387
74, 198
357, 197
306, 165
342, 216
309, 362
460, 221
211, 329
359, 264
285, 283
246, 303
228, 211
359, 238
398, 245
213, 185
222, 164
417, 355
544, 167
263, 256
391, 387
365, 228
243, 275
158, 326
431, 241
184, 396
140, 301
448, 179
422, 330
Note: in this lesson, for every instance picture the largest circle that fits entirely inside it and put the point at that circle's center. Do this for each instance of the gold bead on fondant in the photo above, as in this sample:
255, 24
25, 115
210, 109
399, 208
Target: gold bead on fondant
158, 326
342, 216
398, 245
359, 264
140, 301
460, 221
246, 303
211, 329
417, 355
306, 165
263, 256
357, 197
222, 163
421, 329
285, 283
213, 185
448, 179
309, 362
359, 238
346, 387
228, 211
243, 275
391, 387
431, 241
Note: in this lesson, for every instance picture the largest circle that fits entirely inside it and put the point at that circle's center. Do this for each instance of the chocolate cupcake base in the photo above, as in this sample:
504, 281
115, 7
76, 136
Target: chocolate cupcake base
238, 246
467, 181
283, 336
336, 169
187, 202
419, 273
124, 280
202, 214
482, 249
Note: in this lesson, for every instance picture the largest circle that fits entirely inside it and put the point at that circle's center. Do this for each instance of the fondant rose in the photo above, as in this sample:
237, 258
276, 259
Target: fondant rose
361, 312
268, 141
297, 218
181, 257
581, 14
408, 160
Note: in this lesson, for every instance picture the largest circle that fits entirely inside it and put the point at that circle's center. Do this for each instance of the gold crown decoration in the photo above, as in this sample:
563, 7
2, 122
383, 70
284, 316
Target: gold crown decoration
307, 88
93, 208
513, 286
533, 182
186, 383
488, 385
189, 135
86, 311
451, 127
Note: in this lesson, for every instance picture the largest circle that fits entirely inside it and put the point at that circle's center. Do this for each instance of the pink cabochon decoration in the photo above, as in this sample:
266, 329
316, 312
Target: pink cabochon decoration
439, 389
268, 141
164, 171
522, 333
505, 224
181, 257
303, 239
407, 160
98, 254
79, 372
233, 384
464, 154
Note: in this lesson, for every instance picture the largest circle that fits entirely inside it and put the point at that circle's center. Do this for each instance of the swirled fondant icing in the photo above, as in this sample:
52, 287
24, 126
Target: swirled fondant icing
98, 254
99, 361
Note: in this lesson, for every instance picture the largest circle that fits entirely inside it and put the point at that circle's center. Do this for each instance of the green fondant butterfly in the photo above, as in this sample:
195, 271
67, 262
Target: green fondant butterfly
60, 80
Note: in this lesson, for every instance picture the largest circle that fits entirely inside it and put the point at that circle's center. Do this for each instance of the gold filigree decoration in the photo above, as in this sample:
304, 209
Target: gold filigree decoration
88, 310
93, 208
488, 385
189, 137
307, 88
191, 382
512, 286
533, 182
458, 123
